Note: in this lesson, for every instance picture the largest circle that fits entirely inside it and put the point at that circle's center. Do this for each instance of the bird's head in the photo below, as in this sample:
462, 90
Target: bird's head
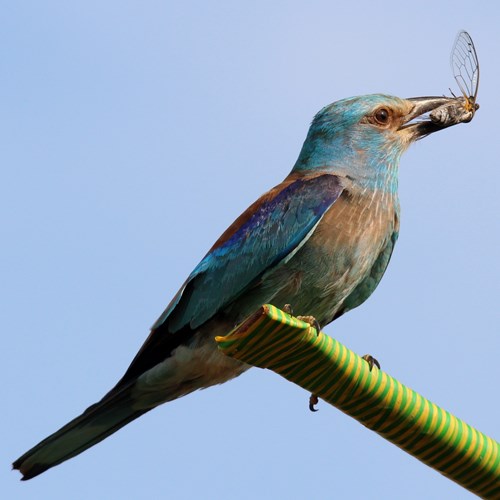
363, 137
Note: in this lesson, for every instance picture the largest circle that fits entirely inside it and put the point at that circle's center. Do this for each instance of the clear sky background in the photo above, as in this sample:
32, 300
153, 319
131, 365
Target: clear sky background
132, 133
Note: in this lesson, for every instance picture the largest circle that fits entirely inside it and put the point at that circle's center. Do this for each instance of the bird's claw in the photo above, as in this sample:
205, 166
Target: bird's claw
313, 400
371, 361
312, 321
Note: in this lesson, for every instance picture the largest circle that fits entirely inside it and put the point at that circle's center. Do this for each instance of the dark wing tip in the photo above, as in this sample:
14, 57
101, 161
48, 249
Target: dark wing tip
28, 472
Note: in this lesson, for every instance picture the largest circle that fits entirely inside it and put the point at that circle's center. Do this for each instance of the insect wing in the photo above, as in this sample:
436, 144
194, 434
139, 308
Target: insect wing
465, 66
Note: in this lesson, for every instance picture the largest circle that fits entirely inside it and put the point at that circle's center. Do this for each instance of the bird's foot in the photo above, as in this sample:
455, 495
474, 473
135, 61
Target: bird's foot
313, 400
371, 361
311, 320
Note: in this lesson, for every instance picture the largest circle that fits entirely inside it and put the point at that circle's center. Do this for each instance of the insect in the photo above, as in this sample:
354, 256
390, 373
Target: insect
465, 68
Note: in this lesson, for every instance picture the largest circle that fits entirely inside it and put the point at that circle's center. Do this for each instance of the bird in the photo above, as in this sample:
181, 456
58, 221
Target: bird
320, 240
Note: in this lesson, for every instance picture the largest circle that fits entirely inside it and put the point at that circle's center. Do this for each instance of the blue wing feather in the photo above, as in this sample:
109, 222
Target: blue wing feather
277, 226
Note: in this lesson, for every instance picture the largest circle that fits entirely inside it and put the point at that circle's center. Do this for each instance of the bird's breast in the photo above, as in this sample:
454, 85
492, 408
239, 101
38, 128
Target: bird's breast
357, 225
342, 250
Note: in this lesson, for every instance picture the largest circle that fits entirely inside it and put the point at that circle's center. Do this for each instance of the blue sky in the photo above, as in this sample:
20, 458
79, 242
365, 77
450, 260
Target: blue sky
132, 134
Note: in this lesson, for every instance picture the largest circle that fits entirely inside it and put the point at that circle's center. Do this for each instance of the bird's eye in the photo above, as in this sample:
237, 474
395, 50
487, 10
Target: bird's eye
382, 116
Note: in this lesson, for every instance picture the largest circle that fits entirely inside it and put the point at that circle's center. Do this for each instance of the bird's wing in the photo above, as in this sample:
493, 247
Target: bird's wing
263, 236
269, 231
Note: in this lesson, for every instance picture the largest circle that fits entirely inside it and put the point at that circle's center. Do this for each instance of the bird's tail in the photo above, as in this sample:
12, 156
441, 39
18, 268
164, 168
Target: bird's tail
95, 424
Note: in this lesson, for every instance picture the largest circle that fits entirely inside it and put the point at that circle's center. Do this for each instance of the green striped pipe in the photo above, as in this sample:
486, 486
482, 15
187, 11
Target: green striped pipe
272, 339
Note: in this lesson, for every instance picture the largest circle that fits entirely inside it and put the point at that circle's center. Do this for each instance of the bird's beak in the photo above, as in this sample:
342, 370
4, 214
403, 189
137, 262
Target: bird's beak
415, 125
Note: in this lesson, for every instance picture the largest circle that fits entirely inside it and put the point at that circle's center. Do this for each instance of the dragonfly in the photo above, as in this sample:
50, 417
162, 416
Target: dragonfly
465, 68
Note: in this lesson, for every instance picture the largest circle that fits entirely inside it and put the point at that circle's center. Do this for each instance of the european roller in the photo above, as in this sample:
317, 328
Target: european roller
320, 240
